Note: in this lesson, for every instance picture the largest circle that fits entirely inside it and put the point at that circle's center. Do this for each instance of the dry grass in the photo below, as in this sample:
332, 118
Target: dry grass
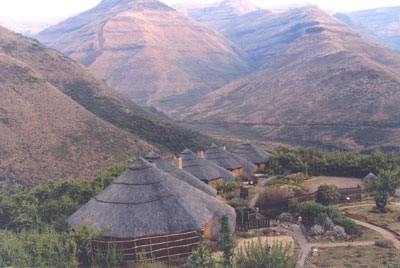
387, 220
343, 257
270, 240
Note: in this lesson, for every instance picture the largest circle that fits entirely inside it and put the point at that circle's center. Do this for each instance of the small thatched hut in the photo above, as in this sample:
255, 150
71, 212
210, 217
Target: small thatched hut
258, 157
371, 177
229, 161
146, 209
203, 169
179, 173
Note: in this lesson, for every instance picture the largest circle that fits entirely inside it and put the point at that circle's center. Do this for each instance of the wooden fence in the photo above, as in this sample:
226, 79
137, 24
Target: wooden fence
353, 193
159, 248
253, 224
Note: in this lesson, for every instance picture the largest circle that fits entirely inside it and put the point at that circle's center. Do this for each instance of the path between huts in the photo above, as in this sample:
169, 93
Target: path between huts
253, 200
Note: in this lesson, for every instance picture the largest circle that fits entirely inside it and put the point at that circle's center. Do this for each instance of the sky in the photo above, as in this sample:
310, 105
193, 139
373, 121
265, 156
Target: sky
26, 10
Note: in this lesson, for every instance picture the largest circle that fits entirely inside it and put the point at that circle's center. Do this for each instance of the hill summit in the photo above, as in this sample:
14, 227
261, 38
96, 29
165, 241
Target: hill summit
148, 51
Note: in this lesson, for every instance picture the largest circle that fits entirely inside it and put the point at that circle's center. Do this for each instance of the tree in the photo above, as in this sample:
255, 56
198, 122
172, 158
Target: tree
384, 187
328, 194
226, 242
201, 257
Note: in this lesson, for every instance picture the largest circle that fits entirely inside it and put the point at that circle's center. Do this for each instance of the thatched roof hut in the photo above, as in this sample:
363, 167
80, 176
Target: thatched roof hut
228, 160
203, 169
178, 173
371, 177
147, 205
249, 152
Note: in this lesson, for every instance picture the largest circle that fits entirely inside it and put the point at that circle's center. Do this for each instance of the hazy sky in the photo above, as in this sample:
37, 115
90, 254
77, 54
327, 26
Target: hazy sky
47, 9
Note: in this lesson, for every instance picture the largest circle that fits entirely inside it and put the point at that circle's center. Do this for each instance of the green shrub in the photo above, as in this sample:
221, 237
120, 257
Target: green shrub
237, 203
261, 255
310, 210
333, 212
321, 219
349, 225
328, 194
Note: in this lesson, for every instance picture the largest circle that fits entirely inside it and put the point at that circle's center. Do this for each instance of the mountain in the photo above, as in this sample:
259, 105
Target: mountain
214, 14
58, 119
320, 83
149, 52
381, 24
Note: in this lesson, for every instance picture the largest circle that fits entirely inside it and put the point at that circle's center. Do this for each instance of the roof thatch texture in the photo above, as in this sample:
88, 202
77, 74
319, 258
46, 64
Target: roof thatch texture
203, 169
178, 173
371, 177
145, 201
227, 160
252, 153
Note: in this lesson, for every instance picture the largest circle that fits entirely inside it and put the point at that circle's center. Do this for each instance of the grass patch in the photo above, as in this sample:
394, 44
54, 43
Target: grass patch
343, 257
387, 220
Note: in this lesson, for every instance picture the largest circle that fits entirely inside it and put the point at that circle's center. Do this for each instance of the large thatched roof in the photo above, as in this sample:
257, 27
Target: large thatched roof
227, 160
371, 177
146, 201
203, 169
252, 153
178, 173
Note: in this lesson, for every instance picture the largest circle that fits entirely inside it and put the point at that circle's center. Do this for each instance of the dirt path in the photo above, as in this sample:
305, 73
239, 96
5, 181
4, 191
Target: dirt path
305, 247
253, 200
385, 233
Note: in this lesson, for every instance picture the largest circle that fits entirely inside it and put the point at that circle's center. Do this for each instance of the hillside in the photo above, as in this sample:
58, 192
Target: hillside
321, 83
58, 119
217, 13
381, 24
149, 52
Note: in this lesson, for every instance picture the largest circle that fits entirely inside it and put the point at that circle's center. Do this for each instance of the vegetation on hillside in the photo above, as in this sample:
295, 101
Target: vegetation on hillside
127, 115
316, 162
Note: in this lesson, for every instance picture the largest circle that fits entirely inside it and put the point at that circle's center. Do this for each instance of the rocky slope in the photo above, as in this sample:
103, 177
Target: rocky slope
321, 83
149, 52
381, 24
58, 119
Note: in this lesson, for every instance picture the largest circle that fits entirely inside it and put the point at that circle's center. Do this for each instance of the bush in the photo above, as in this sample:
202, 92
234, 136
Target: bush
321, 219
273, 198
328, 194
338, 232
384, 243
333, 212
310, 210
349, 225
316, 230
261, 255
237, 203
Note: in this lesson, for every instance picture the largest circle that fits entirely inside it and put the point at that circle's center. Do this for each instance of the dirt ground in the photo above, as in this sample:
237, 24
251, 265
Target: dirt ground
312, 185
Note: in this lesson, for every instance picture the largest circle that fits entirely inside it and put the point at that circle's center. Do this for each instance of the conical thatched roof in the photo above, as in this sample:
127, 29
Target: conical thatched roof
145, 201
227, 160
203, 169
252, 153
178, 173
371, 177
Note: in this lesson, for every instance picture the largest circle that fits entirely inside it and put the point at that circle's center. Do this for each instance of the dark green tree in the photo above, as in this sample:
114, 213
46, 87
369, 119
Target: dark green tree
226, 242
384, 187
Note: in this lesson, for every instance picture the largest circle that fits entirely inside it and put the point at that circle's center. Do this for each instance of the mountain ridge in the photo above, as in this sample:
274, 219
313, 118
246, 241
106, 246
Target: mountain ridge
337, 84
60, 120
148, 45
